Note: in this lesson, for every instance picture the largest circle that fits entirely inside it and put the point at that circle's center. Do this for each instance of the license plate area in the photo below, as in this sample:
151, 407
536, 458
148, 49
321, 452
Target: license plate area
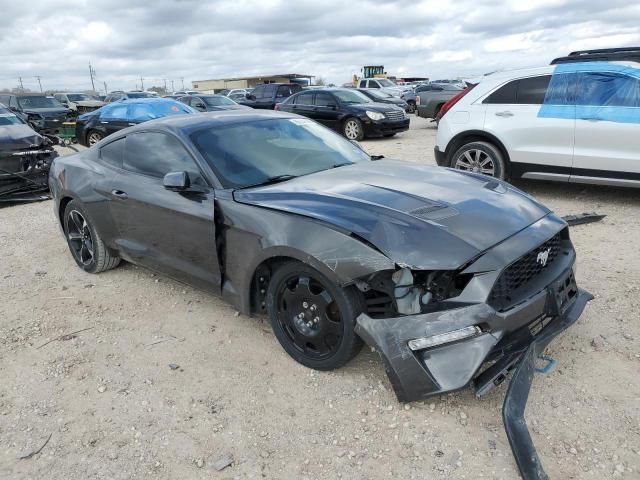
561, 294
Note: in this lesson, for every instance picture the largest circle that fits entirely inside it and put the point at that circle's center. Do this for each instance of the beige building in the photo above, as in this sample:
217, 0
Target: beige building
215, 85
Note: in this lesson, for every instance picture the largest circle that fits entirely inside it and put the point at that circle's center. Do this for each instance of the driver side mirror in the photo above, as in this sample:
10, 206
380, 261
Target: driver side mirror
176, 181
201, 108
249, 96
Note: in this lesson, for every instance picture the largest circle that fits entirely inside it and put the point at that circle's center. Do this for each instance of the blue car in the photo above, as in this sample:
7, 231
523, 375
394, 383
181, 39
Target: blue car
94, 126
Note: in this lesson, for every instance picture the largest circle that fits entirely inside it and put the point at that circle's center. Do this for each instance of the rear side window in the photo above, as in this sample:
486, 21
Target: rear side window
156, 154
325, 100
604, 89
525, 91
259, 91
304, 99
363, 84
112, 152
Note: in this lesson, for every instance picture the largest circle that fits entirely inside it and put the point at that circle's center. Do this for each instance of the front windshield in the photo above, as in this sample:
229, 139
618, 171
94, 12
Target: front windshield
217, 101
80, 97
253, 152
8, 118
351, 96
39, 102
386, 83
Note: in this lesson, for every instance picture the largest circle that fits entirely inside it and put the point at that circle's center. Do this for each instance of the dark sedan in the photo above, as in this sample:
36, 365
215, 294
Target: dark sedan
25, 157
382, 97
44, 113
348, 111
94, 126
211, 103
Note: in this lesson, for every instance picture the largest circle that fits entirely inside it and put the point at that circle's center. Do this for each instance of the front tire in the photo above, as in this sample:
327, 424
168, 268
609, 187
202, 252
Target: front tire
312, 317
412, 107
86, 246
480, 157
94, 137
352, 129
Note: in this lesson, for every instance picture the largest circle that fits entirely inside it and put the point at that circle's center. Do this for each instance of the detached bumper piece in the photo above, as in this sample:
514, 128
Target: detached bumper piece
24, 175
434, 353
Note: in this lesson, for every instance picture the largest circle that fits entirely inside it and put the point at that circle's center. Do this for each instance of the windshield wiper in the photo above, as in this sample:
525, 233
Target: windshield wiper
270, 181
377, 157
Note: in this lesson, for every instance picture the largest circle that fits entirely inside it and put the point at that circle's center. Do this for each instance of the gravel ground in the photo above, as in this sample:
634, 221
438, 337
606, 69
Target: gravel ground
116, 409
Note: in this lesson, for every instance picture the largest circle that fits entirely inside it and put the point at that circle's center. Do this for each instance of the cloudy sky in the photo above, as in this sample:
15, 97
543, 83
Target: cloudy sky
174, 39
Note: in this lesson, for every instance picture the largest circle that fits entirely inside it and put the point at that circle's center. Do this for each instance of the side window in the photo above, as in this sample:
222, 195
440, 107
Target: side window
4, 99
325, 100
284, 91
373, 84
304, 99
114, 112
197, 103
112, 152
258, 92
532, 90
363, 84
156, 154
505, 94
605, 89
13, 102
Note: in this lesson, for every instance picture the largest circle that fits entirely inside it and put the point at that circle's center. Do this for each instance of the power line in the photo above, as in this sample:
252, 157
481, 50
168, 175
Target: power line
38, 78
21, 85
92, 74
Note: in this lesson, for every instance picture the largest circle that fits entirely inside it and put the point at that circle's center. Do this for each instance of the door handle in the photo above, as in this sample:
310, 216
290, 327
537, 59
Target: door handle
104, 122
504, 114
119, 194
131, 124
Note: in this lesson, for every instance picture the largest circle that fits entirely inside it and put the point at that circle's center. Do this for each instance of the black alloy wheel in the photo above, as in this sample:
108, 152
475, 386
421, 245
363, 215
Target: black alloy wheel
312, 318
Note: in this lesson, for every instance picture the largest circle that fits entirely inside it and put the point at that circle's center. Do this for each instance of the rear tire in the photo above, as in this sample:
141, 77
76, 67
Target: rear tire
480, 157
86, 246
312, 317
412, 106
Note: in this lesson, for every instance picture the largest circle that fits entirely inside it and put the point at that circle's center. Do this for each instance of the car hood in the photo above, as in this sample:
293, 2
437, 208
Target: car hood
227, 107
419, 216
47, 112
19, 137
89, 103
376, 107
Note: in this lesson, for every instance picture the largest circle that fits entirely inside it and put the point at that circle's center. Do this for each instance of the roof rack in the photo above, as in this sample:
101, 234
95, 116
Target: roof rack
602, 54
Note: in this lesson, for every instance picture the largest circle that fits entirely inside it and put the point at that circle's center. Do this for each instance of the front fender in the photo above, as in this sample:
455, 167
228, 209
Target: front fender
253, 235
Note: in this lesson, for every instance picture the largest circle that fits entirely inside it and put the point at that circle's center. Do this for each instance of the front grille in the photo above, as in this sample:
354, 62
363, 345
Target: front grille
83, 109
395, 116
522, 271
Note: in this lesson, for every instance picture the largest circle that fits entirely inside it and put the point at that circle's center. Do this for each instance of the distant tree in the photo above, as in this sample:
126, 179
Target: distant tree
320, 81
159, 90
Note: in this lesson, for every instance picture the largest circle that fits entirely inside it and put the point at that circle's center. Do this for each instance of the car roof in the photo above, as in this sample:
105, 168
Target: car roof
190, 123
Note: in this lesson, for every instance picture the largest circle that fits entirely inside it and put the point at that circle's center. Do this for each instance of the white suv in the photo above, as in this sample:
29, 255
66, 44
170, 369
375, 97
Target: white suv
577, 120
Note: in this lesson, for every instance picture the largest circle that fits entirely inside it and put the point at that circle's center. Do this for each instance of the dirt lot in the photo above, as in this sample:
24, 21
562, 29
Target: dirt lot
116, 410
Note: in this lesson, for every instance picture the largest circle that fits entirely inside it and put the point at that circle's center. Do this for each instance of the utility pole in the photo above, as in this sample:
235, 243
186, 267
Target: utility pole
182, 80
165, 84
21, 86
141, 83
105, 88
38, 78
92, 74
172, 89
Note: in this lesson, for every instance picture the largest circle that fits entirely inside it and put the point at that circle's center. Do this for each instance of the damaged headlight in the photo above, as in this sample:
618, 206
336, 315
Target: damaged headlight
36, 119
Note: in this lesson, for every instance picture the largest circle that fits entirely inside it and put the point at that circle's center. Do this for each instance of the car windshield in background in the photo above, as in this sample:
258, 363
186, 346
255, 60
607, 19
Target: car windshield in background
8, 118
386, 83
39, 102
351, 96
80, 97
217, 101
139, 95
382, 95
257, 152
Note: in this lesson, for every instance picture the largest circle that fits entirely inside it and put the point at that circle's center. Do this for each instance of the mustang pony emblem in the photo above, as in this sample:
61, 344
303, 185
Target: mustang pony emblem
543, 257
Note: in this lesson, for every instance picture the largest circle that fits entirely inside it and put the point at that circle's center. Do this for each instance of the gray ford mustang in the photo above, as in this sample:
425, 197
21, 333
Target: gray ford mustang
455, 278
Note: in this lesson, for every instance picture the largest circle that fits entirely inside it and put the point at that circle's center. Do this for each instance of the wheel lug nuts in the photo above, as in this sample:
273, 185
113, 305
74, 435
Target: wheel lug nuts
313, 307
305, 305
316, 320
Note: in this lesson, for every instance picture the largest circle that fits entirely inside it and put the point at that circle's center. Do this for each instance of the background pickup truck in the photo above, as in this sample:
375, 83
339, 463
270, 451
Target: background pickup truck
430, 98
267, 95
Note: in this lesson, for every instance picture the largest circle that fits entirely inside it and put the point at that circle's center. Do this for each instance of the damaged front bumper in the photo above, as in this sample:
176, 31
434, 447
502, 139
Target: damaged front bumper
24, 175
433, 353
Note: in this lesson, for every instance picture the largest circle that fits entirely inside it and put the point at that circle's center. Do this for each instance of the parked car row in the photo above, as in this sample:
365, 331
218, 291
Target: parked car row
576, 120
